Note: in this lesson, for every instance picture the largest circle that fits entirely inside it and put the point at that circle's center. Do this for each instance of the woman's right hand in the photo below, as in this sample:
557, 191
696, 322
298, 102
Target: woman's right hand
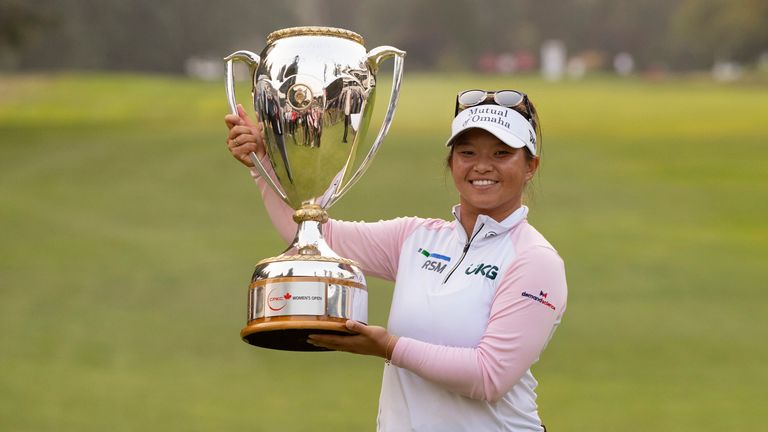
245, 136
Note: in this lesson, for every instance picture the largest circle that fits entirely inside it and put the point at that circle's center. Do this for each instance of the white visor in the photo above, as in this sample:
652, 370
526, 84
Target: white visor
504, 123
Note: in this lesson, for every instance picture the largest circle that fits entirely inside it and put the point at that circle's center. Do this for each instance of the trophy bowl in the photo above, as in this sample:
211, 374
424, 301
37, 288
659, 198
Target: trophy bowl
314, 90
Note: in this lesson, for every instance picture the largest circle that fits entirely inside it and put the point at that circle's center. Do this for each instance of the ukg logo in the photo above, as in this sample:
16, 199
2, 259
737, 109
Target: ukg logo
487, 270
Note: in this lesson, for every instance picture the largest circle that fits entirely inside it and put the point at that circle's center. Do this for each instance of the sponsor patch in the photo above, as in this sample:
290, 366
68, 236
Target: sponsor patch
427, 254
488, 270
540, 298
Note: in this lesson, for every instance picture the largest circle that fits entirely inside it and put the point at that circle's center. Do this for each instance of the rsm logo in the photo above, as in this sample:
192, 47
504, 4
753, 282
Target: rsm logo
435, 266
489, 271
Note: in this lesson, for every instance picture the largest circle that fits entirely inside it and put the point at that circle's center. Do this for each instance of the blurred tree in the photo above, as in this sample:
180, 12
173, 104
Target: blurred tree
145, 35
148, 35
707, 30
18, 21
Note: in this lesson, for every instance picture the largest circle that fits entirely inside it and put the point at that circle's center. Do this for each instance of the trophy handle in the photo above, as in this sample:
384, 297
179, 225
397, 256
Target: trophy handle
252, 60
375, 57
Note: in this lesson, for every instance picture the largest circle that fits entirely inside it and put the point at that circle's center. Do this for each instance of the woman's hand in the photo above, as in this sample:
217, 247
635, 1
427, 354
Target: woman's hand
245, 136
369, 340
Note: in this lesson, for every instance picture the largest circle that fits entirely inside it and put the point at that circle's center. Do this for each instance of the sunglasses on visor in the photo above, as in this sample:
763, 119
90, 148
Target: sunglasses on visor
506, 98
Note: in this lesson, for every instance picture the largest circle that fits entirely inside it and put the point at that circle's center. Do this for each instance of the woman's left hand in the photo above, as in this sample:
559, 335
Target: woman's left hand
369, 340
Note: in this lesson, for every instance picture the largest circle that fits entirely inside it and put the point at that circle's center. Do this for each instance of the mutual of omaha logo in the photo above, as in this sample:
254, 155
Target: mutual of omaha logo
487, 114
541, 298
488, 270
434, 264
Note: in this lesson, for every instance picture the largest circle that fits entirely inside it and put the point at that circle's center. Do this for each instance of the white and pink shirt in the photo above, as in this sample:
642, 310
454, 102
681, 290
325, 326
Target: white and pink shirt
473, 314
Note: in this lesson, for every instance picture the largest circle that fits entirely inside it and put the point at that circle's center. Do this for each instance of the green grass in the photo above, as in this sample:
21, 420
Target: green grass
129, 233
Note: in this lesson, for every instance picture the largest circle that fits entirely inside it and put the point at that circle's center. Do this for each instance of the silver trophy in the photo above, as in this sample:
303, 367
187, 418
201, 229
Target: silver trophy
314, 90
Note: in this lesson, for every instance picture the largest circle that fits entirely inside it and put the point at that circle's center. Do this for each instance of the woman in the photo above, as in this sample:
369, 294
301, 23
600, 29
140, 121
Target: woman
476, 299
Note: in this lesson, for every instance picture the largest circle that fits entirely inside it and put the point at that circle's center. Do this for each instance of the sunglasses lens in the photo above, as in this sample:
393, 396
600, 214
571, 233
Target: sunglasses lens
508, 98
471, 97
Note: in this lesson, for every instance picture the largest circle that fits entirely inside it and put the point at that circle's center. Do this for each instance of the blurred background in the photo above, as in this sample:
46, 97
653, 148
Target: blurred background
128, 233
174, 36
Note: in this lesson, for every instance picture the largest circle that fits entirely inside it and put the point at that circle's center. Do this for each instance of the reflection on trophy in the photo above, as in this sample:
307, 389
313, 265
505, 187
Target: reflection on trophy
314, 89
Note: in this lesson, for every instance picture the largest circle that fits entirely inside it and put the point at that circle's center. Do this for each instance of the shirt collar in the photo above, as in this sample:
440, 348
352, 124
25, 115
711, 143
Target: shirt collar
489, 226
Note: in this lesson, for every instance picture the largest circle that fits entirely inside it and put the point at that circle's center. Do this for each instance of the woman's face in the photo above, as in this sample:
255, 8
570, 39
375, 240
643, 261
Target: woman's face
489, 175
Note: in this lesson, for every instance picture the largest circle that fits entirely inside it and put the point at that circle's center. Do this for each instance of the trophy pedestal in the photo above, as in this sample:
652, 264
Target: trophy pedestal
293, 296
291, 332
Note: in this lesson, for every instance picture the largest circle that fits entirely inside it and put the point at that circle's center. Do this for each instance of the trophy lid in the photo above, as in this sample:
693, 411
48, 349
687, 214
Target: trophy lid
315, 31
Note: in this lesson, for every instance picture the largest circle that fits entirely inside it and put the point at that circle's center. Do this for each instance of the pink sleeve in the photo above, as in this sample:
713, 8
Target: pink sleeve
519, 328
279, 212
375, 246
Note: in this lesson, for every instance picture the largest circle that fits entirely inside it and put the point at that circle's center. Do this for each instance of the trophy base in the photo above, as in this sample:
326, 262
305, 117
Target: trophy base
290, 333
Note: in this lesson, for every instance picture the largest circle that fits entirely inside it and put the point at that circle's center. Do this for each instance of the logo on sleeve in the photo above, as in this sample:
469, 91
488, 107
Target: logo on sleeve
541, 298
434, 264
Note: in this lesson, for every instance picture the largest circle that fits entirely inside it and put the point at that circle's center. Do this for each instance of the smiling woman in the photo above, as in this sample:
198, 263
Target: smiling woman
489, 174
476, 299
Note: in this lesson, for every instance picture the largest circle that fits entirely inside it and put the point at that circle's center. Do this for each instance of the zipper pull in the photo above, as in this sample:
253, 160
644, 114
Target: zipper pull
463, 254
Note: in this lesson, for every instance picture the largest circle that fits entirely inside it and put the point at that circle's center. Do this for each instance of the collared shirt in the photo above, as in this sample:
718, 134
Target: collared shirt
473, 315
